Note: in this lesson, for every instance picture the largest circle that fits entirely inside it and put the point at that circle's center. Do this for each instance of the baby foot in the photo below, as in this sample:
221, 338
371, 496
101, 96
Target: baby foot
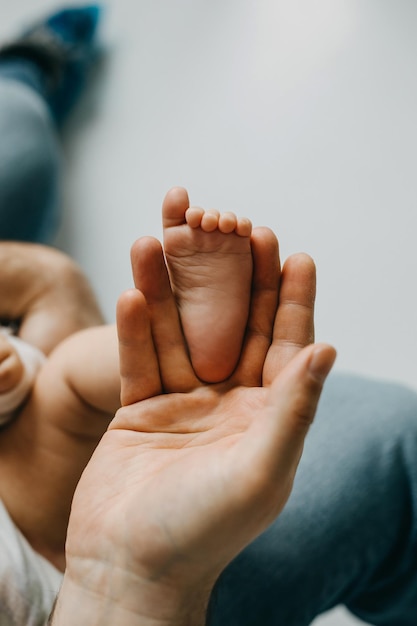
210, 266
11, 366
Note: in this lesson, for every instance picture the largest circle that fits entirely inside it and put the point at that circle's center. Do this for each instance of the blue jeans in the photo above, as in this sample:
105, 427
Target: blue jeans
349, 532
30, 162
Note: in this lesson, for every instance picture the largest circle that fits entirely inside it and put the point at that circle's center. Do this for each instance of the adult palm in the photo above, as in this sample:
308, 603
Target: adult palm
189, 473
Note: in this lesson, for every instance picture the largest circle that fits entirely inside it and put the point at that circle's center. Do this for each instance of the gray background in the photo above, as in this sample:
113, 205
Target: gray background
299, 114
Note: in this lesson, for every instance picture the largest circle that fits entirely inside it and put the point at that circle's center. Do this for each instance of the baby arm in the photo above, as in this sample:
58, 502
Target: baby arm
46, 293
44, 452
82, 374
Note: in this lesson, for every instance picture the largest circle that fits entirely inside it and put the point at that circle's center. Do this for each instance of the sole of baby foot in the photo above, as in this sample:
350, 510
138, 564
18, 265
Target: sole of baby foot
210, 265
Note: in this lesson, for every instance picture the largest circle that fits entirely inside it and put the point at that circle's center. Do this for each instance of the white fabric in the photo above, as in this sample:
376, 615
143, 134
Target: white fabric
28, 582
32, 359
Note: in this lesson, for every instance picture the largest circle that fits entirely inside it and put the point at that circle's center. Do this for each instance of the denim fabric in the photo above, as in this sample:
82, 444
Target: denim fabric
29, 165
349, 532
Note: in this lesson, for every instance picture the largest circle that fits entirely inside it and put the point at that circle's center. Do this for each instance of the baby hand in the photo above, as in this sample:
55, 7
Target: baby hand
11, 366
19, 365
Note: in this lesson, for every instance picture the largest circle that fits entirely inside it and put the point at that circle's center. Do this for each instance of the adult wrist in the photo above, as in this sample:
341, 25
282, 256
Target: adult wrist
132, 606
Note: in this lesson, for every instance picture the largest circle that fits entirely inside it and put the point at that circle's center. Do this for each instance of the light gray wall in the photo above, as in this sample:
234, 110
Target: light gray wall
299, 114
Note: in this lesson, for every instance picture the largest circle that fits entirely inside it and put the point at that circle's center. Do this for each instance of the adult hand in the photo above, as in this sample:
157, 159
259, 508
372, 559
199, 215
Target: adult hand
182, 481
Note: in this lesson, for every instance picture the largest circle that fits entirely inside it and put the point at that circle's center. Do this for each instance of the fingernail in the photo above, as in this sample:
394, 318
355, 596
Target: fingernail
322, 361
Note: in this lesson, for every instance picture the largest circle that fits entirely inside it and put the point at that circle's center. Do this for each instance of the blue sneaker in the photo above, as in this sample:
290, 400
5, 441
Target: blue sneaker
54, 56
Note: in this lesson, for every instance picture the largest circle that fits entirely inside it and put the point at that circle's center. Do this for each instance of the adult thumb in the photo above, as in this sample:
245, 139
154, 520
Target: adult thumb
275, 439
292, 403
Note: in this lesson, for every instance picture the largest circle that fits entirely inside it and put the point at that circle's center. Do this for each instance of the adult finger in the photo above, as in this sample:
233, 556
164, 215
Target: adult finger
264, 300
151, 277
139, 369
294, 321
274, 442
